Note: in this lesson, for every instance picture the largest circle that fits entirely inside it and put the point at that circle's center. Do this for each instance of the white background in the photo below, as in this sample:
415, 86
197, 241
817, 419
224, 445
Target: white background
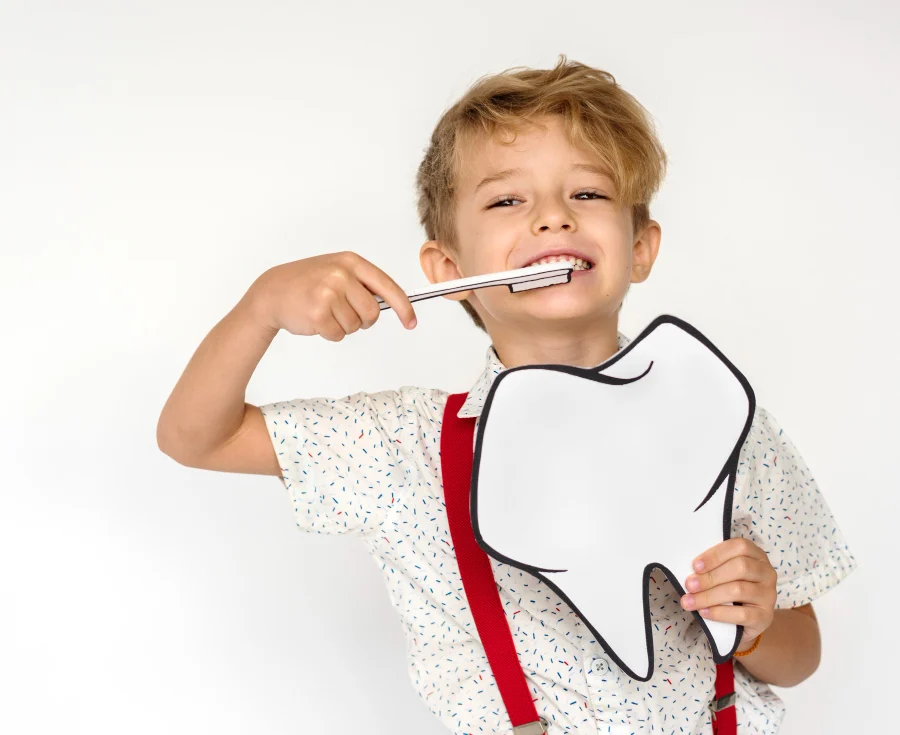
155, 158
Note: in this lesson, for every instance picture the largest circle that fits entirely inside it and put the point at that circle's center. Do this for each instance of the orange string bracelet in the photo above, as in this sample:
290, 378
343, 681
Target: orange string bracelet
751, 649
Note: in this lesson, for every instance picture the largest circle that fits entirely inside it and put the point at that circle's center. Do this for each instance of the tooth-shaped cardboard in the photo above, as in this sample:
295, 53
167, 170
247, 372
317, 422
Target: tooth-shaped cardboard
588, 478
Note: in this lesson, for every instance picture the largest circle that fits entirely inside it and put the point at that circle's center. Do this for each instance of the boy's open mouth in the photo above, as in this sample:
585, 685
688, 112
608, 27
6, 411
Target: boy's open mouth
579, 263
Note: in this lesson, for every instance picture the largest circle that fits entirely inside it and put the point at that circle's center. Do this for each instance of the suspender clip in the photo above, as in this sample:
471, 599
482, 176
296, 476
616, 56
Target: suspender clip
538, 727
722, 702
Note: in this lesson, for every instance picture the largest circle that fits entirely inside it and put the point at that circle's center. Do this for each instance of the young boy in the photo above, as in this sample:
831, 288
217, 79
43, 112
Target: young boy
574, 161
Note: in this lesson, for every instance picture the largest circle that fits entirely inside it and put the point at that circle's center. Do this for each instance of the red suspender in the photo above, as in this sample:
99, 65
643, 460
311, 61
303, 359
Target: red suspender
457, 436
724, 721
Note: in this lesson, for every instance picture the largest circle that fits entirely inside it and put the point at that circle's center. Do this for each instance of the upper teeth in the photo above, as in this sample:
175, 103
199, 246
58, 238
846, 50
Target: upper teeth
580, 265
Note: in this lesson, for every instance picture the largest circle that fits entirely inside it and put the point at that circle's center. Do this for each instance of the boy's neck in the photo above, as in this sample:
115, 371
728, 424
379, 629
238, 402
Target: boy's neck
587, 348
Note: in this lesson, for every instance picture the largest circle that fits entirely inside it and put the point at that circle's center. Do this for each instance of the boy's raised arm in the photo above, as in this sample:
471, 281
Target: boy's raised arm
206, 422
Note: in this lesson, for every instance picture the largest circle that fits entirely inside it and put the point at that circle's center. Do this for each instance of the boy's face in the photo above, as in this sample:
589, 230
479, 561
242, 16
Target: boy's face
552, 203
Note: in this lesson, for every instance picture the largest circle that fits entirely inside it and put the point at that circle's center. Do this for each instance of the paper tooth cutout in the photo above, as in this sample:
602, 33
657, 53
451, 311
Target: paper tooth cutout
589, 477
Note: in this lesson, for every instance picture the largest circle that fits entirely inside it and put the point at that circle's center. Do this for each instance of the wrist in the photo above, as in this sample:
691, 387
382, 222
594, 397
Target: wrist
748, 645
255, 304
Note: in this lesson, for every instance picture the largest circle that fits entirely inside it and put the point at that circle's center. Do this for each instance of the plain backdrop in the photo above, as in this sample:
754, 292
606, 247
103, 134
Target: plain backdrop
156, 157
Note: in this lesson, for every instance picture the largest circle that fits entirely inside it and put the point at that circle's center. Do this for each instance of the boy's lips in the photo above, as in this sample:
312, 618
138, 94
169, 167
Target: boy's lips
575, 275
559, 252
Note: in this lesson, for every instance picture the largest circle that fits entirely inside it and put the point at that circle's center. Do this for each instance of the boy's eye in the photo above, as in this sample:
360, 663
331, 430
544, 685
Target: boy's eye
503, 200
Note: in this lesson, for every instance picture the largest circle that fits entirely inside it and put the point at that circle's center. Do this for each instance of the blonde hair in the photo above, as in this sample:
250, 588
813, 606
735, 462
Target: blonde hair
598, 116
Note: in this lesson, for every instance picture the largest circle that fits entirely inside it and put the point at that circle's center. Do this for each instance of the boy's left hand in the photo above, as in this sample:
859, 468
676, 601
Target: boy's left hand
736, 570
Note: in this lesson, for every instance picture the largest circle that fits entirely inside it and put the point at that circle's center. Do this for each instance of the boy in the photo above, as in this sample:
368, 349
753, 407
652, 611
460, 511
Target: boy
573, 160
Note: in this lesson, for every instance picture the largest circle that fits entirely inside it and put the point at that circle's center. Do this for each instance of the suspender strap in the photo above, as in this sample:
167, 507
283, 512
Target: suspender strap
724, 715
457, 436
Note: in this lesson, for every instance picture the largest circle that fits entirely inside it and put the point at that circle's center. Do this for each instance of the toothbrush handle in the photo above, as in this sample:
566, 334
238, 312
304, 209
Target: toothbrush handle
511, 278
426, 294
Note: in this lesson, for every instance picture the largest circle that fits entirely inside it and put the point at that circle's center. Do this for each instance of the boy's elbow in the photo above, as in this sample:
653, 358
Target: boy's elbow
812, 654
815, 654
164, 434
169, 444
815, 640
164, 440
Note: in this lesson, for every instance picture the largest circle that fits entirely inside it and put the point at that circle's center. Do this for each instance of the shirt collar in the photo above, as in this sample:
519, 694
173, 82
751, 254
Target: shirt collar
478, 392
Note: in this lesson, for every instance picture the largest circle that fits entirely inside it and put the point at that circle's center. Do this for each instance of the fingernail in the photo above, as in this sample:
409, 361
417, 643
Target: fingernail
699, 565
704, 611
687, 601
412, 323
693, 584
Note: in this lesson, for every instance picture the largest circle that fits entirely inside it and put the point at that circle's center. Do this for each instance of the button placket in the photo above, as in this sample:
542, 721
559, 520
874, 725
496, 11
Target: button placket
608, 702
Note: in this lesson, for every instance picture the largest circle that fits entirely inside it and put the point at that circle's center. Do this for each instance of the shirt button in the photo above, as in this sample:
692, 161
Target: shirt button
602, 675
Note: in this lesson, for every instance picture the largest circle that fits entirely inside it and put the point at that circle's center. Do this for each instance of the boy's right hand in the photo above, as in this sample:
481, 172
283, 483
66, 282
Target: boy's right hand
332, 295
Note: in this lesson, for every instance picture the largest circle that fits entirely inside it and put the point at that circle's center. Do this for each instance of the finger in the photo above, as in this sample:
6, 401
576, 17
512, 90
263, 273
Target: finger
739, 567
381, 284
363, 303
737, 590
728, 549
748, 616
331, 329
345, 315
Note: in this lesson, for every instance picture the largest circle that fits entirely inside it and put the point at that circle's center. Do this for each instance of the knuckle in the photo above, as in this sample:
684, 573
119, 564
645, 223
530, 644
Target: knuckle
319, 312
325, 293
338, 274
736, 590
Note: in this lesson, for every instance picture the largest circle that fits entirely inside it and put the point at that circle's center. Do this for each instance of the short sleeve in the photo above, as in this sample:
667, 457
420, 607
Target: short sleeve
344, 461
777, 504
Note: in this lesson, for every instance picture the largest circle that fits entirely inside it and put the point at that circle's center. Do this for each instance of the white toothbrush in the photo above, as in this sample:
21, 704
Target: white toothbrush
520, 279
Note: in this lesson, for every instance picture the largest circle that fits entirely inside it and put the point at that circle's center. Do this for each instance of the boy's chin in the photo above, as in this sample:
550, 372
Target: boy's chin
562, 304
571, 311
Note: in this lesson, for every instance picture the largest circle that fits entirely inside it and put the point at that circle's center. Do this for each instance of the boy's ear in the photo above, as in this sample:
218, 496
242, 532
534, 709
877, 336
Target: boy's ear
644, 252
439, 265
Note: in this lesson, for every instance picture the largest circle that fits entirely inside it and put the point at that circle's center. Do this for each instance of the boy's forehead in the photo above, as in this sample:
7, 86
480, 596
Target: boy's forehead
482, 152
484, 156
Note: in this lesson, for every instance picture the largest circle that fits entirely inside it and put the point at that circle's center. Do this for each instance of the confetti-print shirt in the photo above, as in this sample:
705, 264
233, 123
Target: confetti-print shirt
368, 465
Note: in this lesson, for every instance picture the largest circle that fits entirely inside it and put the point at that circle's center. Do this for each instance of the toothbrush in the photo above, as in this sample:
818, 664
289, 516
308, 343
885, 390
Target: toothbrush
519, 279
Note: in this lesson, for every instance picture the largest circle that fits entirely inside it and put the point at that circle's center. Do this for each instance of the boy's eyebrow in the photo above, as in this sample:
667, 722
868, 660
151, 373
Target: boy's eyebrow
508, 172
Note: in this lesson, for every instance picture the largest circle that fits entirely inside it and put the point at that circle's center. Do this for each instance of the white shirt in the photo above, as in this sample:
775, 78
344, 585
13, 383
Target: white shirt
368, 465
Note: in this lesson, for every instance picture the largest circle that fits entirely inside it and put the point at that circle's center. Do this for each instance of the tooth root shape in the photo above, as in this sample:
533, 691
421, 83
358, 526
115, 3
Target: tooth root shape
622, 587
589, 477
